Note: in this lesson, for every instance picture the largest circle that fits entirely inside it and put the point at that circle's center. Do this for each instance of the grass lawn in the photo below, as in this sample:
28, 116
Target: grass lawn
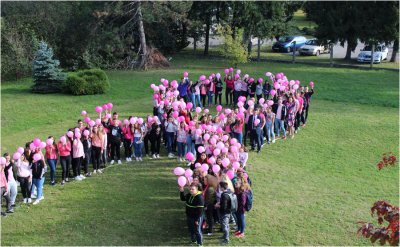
307, 191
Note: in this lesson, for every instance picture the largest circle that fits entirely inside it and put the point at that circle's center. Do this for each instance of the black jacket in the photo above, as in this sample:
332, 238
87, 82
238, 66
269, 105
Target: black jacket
194, 205
225, 203
115, 134
37, 169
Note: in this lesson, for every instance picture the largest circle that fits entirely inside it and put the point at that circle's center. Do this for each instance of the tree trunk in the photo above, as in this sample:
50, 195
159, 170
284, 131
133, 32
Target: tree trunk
372, 55
351, 45
143, 46
258, 49
395, 50
194, 45
249, 45
207, 38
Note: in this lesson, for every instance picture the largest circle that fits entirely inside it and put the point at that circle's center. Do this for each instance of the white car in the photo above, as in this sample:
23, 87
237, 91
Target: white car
313, 47
380, 53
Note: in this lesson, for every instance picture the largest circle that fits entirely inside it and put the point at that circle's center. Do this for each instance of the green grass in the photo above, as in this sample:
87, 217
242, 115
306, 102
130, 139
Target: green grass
307, 191
300, 20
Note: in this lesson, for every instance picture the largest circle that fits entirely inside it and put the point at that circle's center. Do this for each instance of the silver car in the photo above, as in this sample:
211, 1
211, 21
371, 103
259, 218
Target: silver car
313, 47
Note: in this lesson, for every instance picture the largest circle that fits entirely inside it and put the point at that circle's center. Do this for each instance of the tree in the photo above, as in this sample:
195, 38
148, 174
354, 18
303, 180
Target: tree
386, 213
47, 75
232, 49
334, 24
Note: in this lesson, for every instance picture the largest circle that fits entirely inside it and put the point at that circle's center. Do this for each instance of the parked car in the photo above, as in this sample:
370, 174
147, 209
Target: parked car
380, 53
314, 47
285, 43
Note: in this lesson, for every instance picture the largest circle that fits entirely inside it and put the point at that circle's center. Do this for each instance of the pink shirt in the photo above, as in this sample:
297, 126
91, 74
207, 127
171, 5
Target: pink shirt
78, 151
23, 169
3, 180
181, 136
243, 156
64, 149
127, 133
301, 101
10, 176
51, 152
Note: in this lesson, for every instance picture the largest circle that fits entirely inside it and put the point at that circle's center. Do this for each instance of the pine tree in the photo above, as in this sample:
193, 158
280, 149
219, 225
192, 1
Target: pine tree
47, 75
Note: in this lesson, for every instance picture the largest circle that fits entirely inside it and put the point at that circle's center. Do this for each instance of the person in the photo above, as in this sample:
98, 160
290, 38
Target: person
238, 129
106, 149
87, 149
229, 90
64, 150
77, 156
224, 207
155, 138
9, 173
97, 148
137, 132
38, 170
307, 96
209, 201
127, 140
203, 93
291, 111
270, 120
280, 116
243, 156
266, 89
194, 212
299, 110
197, 89
255, 123
241, 188
259, 90
4, 191
182, 89
115, 141
218, 90
51, 157
24, 176
237, 90
181, 141
210, 92
170, 130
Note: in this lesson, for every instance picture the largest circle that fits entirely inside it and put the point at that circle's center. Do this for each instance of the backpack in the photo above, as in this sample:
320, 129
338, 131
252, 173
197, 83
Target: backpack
234, 203
249, 200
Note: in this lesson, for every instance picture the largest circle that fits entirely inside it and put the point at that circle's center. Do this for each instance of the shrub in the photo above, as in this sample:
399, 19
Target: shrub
87, 82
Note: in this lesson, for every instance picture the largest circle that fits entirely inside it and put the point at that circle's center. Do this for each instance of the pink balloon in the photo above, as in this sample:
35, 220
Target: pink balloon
250, 103
70, 134
218, 108
165, 83
204, 167
181, 119
152, 86
185, 74
37, 157
230, 69
311, 84
272, 92
98, 109
233, 141
3, 161
63, 139
77, 135
261, 101
179, 171
49, 142
189, 156
175, 114
224, 150
87, 119
256, 122
110, 105
92, 123
234, 149
105, 107
16, 156
235, 165
292, 82
140, 121
108, 115
227, 111
282, 88
201, 149
98, 121
225, 162
86, 132
216, 152
270, 102
237, 76
198, 132
206, 111
230, 174
161, 87
226, 71
20, 150
189, 105
260, 80
211, 160
37, 142
198, 109
213, 141
126, 121
295, 87
182, 181
268, 74
216, 168
197, 165
83, 113
206, 137
188, 173
202, 78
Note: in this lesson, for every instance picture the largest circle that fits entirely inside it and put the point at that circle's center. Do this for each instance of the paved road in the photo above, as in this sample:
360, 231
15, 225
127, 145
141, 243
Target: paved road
338, 50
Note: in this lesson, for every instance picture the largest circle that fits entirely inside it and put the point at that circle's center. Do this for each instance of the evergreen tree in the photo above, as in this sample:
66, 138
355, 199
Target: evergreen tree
47, 75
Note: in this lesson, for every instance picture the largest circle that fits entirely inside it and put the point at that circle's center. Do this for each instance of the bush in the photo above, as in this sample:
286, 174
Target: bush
87, 82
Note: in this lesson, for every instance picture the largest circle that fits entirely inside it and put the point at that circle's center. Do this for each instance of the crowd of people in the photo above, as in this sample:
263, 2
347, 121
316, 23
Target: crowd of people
215, 146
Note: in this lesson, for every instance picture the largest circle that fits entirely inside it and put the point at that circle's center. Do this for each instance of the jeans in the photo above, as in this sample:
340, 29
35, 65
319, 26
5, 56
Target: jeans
218, 98
170, 140
96, 154
137, 147
279, 125
270, 131
229, 96
190, 145
239, 137
210, 97
53, 164
236, 95
145, 143
181, 149
116, 150
7, 197
196, 100
240, 220
39, 185
195, 230
210, 217
86, 161
65, 164
203, 99
256, 139
225, 225
306, 114
12, 188
76, 166
25, 188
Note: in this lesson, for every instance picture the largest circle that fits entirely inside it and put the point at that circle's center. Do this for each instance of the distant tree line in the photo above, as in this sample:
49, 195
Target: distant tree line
122, 35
